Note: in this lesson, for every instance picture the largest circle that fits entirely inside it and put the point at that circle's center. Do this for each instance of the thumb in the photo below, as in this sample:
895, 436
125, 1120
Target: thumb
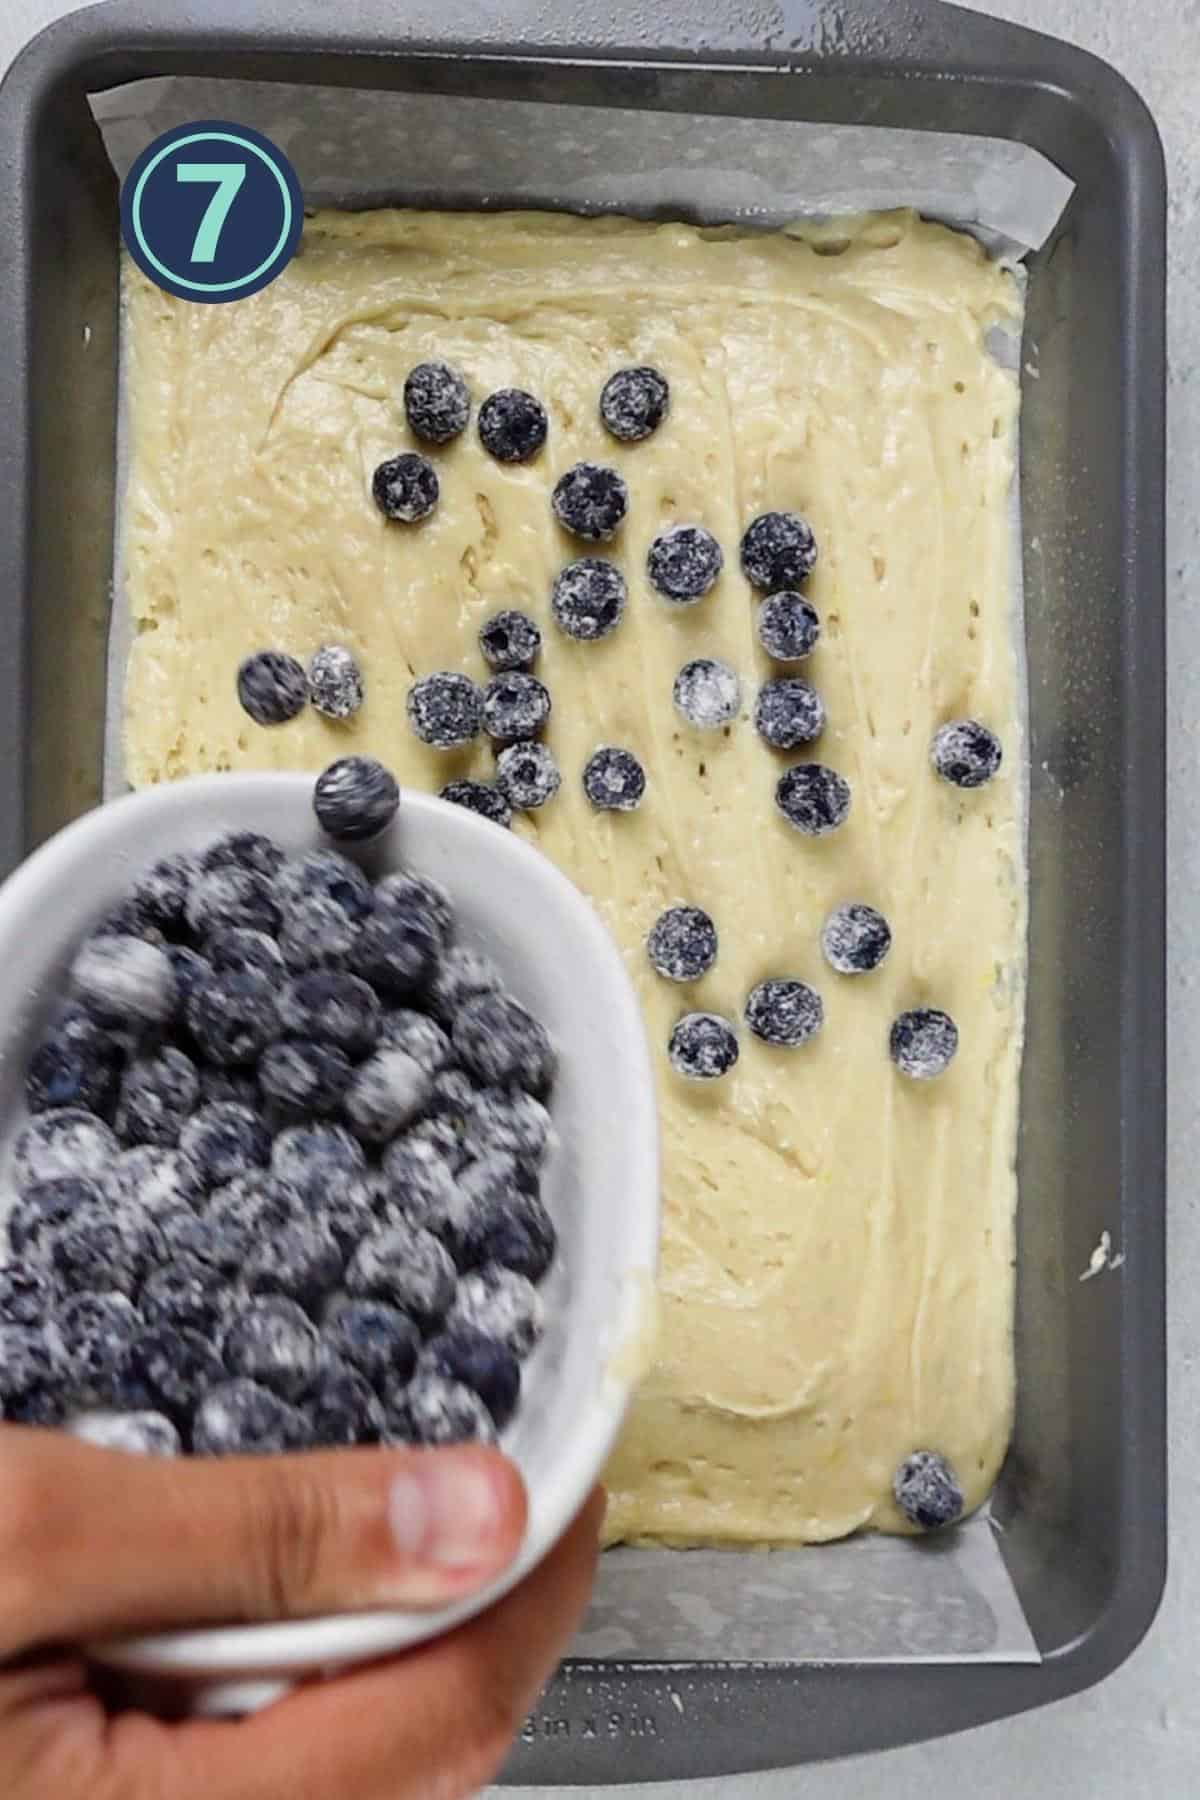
95, 1541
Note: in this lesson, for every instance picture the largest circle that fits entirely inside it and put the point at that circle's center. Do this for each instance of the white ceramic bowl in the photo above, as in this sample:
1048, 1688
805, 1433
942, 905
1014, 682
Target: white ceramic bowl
601, 1185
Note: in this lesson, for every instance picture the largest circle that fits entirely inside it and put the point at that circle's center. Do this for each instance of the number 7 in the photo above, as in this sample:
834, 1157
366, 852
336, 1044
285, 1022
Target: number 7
229, 178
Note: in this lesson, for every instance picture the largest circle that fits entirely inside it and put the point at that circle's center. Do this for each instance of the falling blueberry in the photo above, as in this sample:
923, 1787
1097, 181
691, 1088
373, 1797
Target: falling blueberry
707, 693
355, 799
445, 710
927, 1491
512, 425
509, 640
784, 1012
813, 798
527, 775
634, 402
272, 687
682, 945
335, 683
437, 403
482, 797
683, 562
515, 707
778, 551
588, 599
855, 938
922, 1043
702, 1046
614, 780
966, 753
788, 626
590, 501
405, 487
788, 713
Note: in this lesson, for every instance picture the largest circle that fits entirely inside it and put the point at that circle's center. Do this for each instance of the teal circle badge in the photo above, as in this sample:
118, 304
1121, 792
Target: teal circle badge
211, 211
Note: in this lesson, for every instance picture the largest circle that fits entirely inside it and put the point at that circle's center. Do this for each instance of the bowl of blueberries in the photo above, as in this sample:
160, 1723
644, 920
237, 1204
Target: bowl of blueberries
327, 1118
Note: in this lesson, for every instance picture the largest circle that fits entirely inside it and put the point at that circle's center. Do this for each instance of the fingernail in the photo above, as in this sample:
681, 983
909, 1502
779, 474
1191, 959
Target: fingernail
444, 1509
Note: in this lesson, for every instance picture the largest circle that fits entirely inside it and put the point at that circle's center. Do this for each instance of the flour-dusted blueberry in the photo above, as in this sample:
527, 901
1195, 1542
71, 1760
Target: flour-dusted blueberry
500, 1042
509, 640
186, 1292
788, 626
96, 1251
39, 1212
245, 953
335, 682
302, 1261
316, 934
788, 713
966, 753
855, 938
316, 1159
355, 799
272, 1341
528, 775
397, 953
683, 563
512, 425
418, 1183
431, 1410
231, 897
516, 706
325, 875
523, 1240
634, 402
378, 1340
445, 710
158, 1093
177, 1365
225, 1139
447, 1116
406, 1267
75, 1064
27, 1293
778, 552
927, 1490
614, 780
387, 1093
134, 1434
161, 893
502, 1304
98, 1332
184, 1233
463, 974
232, 1017
341, 1406
509, 1122
588, 599
590, 501
302, 1078
333, 1007
481, 797
702, 1046
922, 1043
418, 1036
124, 981
241, 1213
707, 693
417, 896
784, 1012
482, 1363
682, 944
150, 1178
189, 969
31, 1365
65, 1141
242, 1418
271, 687
437, 402
237, 1085
252, 850
813, 798
491, 1192
405, 488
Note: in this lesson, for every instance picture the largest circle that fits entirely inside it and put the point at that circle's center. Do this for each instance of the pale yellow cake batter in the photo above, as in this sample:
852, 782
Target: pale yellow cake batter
837, 1246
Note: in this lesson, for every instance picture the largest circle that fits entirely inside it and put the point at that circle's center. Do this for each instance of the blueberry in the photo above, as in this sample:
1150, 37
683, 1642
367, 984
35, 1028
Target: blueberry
325, 875
512, 1123
177, 1365
332, 1007
437, 404
158, 1092
778, 551
418, 1183
813, 798
509, 640
431, 1410
124, 981
481, 1363
223, 1140
965, 753
341, 1406
387, 1093
186, 1292
97, 1252
922, 1043
445, 710
378, 1340
408, 1268
788, 626
418, 1036
237, 1085
151, 1178
788, 712
65, 1141
355, 799
463, 974
512, 425
448, 1113
397, 953
26, 1294
31, 1367
524, 1242
588, 599
271, 687
683, 562
501, 1303
302, 1077
498, 1041
634, 402
134, 1434
251, 850
528, 775
702, 1046
38, 1213
314, 1158
233, 1017
245, 952
185, 1234
240, 1418
682, 945
926, 1490
189, 969
515, 707
405, 487
855, 938
160, 895
494, 1198
75, 1064
707, 693
271, 1341
590, 501
416, 896
335, 683
481, 797
302, 1261
98, 1332
241, 1213
614, 780
232, 896
784, 1012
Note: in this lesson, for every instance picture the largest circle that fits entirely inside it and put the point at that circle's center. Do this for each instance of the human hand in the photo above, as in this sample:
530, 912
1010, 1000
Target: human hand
93, 1542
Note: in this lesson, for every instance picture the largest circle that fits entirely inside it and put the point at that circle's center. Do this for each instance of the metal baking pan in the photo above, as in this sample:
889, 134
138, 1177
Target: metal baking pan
1079, 1513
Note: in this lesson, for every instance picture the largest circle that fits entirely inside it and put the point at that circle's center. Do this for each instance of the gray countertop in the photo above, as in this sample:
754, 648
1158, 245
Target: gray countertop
1138, 1734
